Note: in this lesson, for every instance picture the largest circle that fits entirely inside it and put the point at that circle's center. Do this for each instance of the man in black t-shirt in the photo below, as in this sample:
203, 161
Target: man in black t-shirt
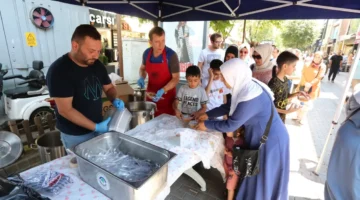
335, 64
76, 81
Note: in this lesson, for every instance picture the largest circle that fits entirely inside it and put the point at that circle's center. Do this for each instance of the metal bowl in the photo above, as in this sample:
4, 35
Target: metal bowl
10, 148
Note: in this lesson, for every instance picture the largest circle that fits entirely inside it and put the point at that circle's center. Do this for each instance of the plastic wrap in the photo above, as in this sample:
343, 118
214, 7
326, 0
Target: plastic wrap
48, 181
120, 121
121, 165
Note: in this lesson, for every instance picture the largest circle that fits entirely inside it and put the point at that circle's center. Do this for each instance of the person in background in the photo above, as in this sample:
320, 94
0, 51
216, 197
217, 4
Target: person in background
263, 67
192, 96
230, 53
310, 83
232, 139
244, 53
335, 64
279, 84
76, 81
216, 89
343, 176
296, 76
326, 61
208, 54
162, 65
251, 105
349, 62
184, 49
275, 54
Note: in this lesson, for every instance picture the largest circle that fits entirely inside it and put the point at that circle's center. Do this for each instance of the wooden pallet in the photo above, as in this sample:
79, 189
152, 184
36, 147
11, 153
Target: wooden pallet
25, 128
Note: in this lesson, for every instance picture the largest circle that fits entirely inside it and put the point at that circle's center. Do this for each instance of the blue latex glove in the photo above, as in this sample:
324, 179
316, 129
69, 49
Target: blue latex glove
103, 127
141, 82
158, 95
118, 104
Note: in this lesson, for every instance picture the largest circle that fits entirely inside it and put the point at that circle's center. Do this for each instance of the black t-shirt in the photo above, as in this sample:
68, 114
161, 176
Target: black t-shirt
336, 61
281, 93
85, 84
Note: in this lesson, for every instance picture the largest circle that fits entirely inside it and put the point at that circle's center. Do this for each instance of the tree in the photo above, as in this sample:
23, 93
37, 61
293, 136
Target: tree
223, 27
264, 30
299, 34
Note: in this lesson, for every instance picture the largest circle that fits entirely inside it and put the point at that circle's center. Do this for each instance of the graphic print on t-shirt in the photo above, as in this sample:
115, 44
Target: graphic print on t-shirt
93, 88
190, 103
281, 93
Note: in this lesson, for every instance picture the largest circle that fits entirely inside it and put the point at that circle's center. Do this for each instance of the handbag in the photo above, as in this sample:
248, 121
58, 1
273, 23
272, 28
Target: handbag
246, 162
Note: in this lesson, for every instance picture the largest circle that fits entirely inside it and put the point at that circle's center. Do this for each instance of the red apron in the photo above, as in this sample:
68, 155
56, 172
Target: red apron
159, 75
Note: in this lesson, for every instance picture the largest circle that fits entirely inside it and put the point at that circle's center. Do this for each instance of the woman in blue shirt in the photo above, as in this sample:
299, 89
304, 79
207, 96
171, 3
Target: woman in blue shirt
250, 105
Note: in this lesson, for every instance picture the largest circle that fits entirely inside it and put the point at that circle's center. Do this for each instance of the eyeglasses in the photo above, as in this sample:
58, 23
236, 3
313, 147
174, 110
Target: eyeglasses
257, 57
218, 42
244, 52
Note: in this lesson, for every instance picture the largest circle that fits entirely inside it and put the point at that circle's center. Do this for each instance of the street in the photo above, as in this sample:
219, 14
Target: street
307, 141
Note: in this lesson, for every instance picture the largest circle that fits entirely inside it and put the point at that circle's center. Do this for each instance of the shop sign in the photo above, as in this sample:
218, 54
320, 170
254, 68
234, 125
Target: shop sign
102, 19
128, 34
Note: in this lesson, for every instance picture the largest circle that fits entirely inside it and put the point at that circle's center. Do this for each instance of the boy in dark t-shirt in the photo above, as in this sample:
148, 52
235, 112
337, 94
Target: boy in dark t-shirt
279, 84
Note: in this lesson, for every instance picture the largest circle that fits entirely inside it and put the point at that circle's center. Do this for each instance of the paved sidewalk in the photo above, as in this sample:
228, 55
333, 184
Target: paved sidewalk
307, 141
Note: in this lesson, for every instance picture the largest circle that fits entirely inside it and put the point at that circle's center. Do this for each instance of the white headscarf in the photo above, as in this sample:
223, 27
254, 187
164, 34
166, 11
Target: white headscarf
265, 51
243, 88
247, 57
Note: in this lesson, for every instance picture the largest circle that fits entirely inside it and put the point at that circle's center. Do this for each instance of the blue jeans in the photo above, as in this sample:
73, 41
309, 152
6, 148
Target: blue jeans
70, 141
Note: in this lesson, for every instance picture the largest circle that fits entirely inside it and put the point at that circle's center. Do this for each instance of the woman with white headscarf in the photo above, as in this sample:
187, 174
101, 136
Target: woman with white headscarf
244, 53
263, 67
251, 104
343, 174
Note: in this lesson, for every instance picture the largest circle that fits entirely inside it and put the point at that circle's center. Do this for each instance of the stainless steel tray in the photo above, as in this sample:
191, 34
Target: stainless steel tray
115, 187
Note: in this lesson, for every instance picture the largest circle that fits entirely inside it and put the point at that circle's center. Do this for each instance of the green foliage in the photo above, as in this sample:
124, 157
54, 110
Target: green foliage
264, 30
103, 59
299, 33
222, 27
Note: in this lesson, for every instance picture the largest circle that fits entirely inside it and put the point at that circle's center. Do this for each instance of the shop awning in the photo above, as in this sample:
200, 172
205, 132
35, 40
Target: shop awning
205, 10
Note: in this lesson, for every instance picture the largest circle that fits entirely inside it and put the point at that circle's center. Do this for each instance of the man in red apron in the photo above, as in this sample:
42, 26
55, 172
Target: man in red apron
162, 65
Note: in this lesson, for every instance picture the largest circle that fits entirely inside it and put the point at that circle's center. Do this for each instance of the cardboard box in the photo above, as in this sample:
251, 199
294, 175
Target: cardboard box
123, 90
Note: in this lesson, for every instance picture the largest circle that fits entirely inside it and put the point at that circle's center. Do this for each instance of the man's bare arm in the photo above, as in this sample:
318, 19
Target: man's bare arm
173, 82
65, 109
110, 92
142, 71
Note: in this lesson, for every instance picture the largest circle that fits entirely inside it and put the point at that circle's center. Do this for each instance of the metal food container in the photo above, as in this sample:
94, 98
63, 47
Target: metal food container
142, 111
113, 186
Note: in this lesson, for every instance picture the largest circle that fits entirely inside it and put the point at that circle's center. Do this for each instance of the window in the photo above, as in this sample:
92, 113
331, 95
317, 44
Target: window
336, 32
354, 26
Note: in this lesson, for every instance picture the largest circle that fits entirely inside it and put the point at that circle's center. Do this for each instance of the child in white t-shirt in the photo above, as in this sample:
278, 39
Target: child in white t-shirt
216, 89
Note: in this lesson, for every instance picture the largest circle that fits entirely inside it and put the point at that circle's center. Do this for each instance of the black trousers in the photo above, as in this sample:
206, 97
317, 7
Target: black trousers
333, 72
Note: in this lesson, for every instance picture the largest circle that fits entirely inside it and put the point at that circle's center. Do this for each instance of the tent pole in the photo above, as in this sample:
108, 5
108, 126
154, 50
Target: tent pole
244, 31
338, 110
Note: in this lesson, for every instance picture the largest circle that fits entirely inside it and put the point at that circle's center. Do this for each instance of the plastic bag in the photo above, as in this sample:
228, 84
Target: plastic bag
121, 165
114, 77
48, 181
14, 189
